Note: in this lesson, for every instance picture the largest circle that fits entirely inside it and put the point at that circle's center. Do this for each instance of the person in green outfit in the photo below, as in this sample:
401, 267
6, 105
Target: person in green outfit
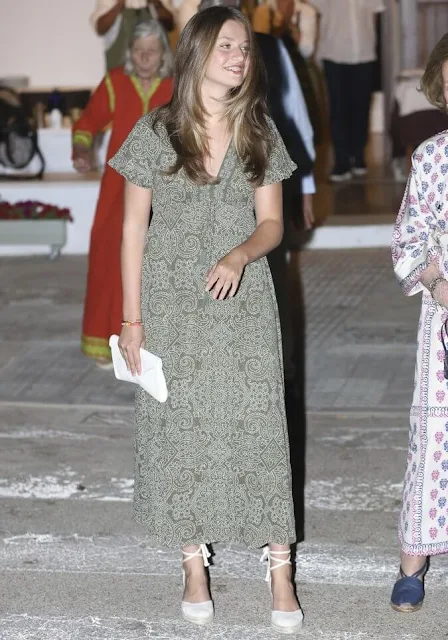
115, 20
212, 462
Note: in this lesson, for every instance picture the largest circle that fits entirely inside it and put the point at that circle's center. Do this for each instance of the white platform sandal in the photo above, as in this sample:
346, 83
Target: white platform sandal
287, 622
197, 612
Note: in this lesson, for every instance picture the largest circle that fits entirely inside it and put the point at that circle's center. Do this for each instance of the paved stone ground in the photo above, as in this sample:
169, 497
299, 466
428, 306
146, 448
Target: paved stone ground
74, 565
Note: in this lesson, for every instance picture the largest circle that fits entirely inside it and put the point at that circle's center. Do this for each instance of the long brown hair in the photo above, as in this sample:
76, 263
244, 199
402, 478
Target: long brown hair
432, 81
245, 106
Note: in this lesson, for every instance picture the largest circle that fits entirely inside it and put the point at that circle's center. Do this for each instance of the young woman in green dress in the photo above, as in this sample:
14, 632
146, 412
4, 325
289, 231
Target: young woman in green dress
212, 463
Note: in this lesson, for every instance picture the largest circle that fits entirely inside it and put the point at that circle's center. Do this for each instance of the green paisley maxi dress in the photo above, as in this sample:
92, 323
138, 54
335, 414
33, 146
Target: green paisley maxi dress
212, 463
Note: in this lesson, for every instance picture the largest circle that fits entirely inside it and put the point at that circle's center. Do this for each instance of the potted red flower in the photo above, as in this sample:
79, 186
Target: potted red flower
33, 222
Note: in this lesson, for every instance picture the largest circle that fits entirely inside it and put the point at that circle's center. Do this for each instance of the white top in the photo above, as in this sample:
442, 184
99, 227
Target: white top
347, 30
104, 6
305, 17
296, 109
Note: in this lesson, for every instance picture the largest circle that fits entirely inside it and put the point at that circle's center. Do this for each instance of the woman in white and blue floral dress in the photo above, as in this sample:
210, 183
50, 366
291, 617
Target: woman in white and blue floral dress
420, 257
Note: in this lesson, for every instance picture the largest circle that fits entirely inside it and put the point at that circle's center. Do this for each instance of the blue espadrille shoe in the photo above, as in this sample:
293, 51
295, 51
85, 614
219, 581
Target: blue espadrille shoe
409, 591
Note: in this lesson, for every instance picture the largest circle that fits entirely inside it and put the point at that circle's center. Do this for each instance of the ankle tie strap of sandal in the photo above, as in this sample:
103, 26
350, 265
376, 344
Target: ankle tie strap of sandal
417, 574
201, 550
270, 557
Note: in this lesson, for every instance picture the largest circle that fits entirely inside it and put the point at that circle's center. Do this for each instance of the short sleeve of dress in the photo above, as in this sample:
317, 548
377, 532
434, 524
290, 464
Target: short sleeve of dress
417, 233
135, 159
280, 166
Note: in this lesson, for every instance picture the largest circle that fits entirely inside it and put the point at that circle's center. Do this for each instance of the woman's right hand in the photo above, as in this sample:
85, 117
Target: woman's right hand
131, 340
82, 161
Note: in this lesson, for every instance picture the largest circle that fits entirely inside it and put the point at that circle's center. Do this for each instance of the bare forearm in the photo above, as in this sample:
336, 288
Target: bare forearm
106, 21
429, 274
266, 237
439, 289
131, 269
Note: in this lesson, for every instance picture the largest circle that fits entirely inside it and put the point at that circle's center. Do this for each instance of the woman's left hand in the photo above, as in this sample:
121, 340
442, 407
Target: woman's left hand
224, 278
82, 161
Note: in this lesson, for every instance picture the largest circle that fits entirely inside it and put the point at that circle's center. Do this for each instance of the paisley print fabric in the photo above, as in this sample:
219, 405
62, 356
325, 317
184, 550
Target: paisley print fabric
421, 237
212, 463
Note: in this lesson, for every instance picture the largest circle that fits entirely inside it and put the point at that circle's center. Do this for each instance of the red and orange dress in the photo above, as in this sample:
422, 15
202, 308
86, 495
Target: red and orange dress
118, 103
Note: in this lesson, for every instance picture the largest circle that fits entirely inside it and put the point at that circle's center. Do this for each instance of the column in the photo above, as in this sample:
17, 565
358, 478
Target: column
409, 33
391, 61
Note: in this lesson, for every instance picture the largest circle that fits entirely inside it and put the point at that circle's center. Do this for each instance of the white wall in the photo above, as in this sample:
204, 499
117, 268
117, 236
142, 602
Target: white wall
51, 41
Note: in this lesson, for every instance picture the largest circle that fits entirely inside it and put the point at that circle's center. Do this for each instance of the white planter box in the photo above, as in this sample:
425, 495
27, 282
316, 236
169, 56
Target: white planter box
32, 232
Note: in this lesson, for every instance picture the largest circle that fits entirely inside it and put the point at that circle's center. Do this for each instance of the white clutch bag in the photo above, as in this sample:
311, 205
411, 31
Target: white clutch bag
151, 379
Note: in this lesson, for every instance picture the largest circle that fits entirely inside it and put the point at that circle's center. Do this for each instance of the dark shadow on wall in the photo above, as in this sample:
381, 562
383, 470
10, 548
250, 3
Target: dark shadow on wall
290, 300
296, 401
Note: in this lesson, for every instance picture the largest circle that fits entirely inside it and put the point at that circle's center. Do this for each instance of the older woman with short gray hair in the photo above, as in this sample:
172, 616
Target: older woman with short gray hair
124, 95
149, 29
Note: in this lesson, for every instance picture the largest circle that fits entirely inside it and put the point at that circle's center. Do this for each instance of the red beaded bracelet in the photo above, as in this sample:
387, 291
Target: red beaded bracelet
131, 323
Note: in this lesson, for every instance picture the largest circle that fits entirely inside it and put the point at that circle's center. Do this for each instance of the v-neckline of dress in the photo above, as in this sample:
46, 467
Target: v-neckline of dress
223, 161
145, 96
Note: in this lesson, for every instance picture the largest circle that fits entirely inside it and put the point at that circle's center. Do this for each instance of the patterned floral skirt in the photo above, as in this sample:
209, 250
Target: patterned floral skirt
212, 463
423, 528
